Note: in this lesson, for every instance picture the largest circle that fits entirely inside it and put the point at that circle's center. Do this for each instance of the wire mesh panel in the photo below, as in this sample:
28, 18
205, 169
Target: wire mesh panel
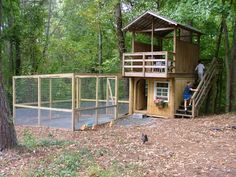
123, 102
67, 100
56, 93
97, 100
26, 91
43, 100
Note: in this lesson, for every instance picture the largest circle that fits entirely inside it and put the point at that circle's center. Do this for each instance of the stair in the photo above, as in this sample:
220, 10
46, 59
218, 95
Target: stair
199, 96
181, 113
138, 116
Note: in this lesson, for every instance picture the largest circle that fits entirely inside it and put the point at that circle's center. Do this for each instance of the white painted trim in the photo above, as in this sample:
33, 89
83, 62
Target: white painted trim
155, 89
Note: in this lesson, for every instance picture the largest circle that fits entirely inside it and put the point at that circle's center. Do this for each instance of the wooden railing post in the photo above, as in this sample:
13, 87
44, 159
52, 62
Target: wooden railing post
143, 65
123, 65
166, 63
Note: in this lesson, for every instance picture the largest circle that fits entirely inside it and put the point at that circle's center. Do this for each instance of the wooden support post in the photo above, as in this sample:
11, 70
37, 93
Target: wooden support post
78, 97
97, 84
133, 39
131, 95
174, 49
73, 111
167, 63
152, 37
14, 99
116, 96
193, 108
50, 97
39, 100
143, 65
77, 92
107, 96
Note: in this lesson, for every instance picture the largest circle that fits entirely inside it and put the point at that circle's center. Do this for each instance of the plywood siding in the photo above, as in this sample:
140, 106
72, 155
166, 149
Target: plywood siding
152, 109
180, 84
187, 56
141, 47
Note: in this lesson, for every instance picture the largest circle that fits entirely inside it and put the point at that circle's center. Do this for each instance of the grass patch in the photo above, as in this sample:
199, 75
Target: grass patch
66, 164
30, 142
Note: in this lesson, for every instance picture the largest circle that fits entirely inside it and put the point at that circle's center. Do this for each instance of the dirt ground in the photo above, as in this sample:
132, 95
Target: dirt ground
204, 147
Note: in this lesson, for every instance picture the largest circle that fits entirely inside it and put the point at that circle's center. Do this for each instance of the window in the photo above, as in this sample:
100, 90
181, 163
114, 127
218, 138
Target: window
161, 90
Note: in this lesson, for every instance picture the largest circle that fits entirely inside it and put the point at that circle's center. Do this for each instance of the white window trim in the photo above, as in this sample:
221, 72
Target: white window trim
155, 90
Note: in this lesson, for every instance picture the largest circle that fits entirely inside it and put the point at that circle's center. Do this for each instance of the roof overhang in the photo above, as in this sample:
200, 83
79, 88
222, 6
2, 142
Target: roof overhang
161, 26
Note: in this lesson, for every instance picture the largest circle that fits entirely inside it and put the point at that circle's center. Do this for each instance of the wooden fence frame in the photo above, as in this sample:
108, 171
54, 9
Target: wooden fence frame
75, 95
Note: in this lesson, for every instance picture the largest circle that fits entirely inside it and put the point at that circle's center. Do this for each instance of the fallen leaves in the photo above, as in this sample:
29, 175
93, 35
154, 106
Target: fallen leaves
176, 147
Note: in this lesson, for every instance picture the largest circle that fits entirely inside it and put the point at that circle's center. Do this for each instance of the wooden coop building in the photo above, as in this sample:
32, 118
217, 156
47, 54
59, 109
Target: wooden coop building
163, 58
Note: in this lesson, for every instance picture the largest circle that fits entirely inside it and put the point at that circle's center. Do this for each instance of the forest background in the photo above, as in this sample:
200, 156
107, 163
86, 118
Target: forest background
85, 36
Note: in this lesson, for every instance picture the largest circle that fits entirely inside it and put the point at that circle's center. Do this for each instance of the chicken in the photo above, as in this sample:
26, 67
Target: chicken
144, 138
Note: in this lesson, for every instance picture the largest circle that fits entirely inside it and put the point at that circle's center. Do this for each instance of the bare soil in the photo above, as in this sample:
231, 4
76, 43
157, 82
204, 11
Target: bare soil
204, 147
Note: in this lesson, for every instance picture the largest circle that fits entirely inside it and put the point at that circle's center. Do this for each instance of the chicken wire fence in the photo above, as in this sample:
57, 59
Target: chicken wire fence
68, 100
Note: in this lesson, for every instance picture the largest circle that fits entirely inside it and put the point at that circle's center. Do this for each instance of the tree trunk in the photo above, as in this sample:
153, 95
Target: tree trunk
18, 58
119, 32
219, 84
47, 32
227, 65
233, 71
7, 130
121, 43
219, 41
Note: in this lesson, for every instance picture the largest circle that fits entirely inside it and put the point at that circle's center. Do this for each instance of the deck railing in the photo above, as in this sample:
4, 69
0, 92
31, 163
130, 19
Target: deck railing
148, 64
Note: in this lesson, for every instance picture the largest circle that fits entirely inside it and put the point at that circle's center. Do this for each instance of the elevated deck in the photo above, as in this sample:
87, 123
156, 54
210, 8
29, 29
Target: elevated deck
148, 64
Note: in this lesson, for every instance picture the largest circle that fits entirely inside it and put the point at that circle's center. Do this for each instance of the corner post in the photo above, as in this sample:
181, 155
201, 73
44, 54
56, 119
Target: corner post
116, 96
39, 100
131, 91
14, 99
73, 110
50, 97
97, 84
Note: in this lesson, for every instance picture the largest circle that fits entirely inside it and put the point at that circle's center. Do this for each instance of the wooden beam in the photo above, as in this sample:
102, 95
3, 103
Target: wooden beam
50, 97
152, 36
73, 113
155, 30
97, 84
116, 97
133, 39
14, 99
107, 96
39, 100
131, 95
42, 108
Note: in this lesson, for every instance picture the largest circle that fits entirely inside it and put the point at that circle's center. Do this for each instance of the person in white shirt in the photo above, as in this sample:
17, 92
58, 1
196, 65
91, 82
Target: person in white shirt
200, 70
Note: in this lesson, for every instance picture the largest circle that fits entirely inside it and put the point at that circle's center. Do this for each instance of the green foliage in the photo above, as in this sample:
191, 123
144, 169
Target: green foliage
29, 140
74, 31
31, 143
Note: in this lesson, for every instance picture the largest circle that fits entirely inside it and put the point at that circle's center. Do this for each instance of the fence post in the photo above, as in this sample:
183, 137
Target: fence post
97, 84
39, 100
14, 99
73, 111
50, 97
116, 96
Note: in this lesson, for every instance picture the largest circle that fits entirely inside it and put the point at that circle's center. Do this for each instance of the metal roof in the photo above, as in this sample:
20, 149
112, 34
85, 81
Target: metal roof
144, 22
